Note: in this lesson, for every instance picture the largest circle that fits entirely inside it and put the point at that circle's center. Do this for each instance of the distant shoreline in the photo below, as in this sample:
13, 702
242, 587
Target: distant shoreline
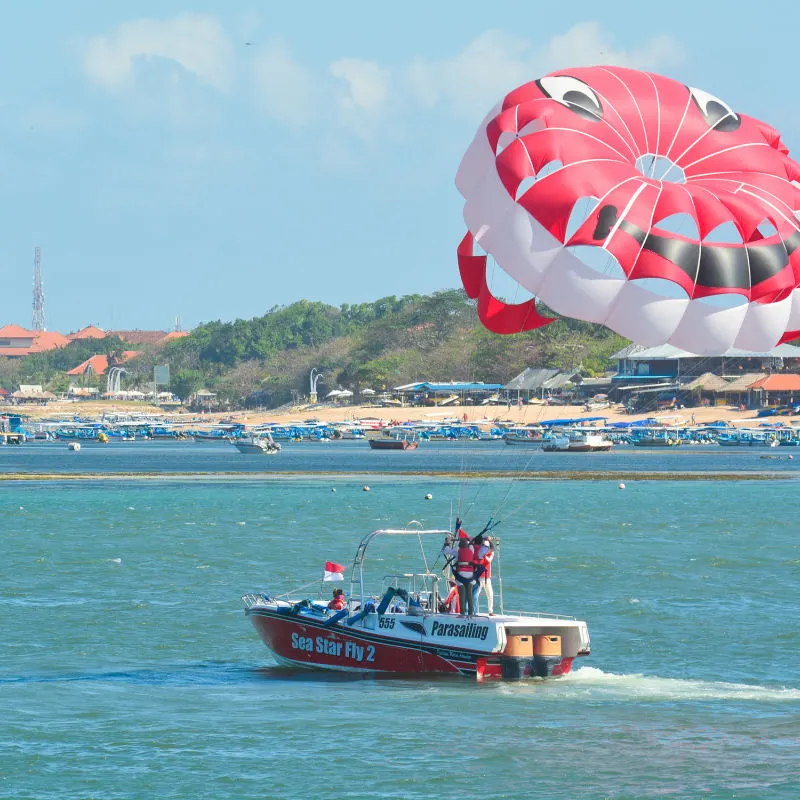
483, 416
376, 478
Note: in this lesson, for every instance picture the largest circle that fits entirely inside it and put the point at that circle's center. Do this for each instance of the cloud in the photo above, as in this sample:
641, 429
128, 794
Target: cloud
367, 84
286, 89
362, 96
196, 42
496, 61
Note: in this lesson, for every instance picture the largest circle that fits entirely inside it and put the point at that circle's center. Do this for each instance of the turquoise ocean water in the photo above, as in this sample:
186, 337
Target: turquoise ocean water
128, 668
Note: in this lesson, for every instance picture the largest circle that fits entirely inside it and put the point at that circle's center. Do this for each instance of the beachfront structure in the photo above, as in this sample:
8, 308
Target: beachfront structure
776, 390
666, 362
426, 392
99, 364
18, 342
31, 393
540, 382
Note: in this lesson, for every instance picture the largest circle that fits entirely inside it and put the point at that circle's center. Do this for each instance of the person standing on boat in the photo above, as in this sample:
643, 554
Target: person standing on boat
462, 557
478, 548
486, 555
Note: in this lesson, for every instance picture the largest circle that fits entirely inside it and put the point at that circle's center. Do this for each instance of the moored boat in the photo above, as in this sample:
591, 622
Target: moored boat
402, 630
252, 444
577, 442
392, 444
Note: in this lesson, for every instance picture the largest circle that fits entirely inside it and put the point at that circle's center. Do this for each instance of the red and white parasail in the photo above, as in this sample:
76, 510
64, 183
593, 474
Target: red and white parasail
628, 199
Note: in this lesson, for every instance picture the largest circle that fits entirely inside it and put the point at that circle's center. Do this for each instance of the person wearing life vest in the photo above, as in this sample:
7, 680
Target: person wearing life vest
486, 555
478, 549
451, 604
464, 572
461, 559
338, 602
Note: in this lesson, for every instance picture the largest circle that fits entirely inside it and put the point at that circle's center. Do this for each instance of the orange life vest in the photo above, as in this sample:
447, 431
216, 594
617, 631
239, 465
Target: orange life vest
338, 603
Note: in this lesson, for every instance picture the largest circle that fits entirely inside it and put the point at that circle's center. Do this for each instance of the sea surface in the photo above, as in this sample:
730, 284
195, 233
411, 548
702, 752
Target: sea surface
129, 670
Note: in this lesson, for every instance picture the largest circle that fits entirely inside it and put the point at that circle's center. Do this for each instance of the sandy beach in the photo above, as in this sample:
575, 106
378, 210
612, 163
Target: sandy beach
480, 415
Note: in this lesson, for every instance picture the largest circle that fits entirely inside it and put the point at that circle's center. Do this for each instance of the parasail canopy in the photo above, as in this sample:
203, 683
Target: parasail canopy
628, 199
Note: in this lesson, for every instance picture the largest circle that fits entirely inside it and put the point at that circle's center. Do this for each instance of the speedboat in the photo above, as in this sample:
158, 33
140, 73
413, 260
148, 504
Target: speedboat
257, 444
577, 442
403, 630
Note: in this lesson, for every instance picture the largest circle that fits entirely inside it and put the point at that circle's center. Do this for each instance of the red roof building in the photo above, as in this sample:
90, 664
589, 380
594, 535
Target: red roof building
778, 383
172, 335
139, 337
98, 365
89, 332
17, 342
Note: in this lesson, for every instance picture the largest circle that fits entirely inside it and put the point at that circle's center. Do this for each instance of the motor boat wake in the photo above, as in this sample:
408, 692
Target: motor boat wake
405, 629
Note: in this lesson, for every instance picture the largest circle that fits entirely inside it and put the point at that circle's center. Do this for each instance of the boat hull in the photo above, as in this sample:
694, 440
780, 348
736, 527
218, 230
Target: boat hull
392, 444
306, 642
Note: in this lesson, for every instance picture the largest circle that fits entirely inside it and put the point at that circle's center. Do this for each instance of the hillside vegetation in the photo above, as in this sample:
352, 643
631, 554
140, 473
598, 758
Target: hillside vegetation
394, 340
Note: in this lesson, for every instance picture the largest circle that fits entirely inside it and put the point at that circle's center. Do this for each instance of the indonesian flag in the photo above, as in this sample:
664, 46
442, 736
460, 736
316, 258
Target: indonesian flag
333, 572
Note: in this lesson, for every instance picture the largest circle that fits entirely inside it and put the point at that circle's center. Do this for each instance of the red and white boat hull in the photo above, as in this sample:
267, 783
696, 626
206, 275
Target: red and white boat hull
400, 644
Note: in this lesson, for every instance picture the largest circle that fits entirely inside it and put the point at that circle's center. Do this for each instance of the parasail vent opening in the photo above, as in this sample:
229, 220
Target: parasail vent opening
503, 286
767, 229
724, 233
681, 224
660, 168
549, 168
581, 211
597, 259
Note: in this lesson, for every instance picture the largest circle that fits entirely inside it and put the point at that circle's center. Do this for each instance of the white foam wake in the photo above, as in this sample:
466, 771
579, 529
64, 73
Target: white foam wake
648, 687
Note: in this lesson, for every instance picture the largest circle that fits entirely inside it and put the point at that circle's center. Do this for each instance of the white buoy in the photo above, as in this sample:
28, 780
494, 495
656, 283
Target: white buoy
429, 496
622, 486
333, 489
791, 458
365, 489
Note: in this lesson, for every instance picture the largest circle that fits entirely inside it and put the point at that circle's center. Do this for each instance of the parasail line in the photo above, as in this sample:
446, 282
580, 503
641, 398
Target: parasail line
699, 249
676, 161
605, 122
658, 126
726, 150
790, 218
580, 133
678, 129
650, 225
622, 216
713, 175
636, 105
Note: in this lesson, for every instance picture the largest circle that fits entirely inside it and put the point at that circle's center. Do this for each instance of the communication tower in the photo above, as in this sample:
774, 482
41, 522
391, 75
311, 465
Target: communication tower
38, 291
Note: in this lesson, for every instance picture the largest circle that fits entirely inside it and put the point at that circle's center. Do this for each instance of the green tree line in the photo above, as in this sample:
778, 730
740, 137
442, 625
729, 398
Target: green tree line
377, 345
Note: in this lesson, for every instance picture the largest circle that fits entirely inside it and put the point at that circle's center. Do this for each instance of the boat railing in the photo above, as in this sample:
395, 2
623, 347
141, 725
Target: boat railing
252, 599
540, 615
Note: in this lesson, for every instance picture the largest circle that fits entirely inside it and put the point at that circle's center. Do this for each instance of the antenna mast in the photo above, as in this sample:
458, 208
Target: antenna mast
38, 291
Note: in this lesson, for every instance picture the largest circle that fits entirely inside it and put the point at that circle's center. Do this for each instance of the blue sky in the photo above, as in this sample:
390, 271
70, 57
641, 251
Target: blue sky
167, 168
